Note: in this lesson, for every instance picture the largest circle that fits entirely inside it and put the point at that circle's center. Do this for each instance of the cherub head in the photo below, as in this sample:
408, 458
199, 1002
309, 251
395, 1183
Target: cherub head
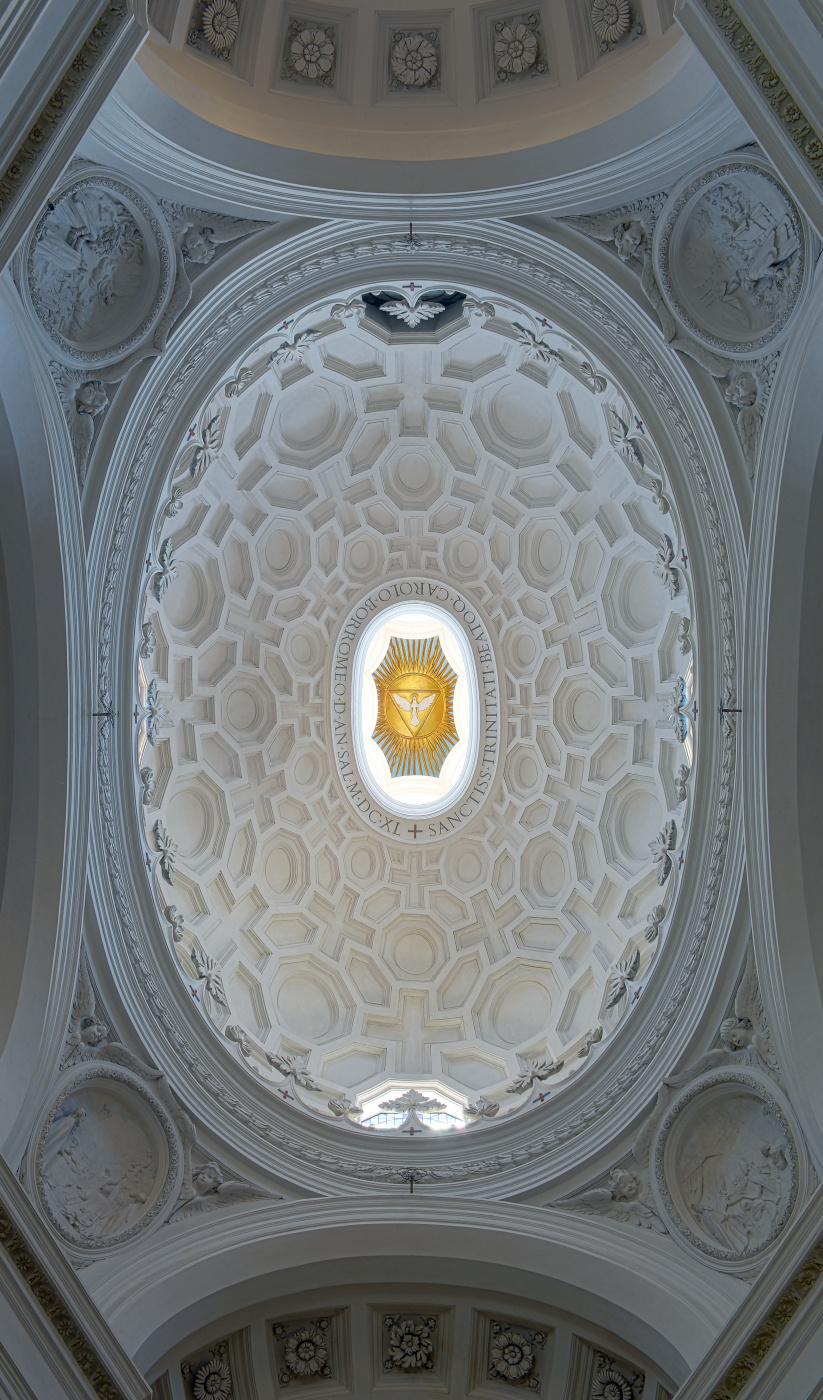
198, 244
207, 1178
91, 398
628, 237
736, 1032
93, 1032
742, 391
624, 1186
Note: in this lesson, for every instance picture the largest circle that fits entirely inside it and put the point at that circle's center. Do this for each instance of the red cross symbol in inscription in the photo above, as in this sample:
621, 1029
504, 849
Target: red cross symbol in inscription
414, 831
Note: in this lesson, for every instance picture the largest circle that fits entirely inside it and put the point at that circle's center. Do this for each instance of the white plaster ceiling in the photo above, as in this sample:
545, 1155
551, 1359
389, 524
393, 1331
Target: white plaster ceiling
476, 457
476, 102
589, 124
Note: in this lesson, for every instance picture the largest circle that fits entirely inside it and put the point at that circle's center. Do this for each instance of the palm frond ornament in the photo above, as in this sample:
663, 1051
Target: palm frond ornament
415, 720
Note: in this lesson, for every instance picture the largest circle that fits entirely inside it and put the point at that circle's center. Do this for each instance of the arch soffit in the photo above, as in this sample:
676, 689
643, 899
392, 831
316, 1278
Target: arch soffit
781, 733
546, 1255
44, 890
274, 283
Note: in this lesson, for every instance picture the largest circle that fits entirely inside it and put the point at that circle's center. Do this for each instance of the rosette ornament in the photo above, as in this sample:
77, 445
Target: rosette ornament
307, 1352
312, 53
219, 24
511, 1355
611, 20
410, 1345
515, 48
414, 60
213, 1380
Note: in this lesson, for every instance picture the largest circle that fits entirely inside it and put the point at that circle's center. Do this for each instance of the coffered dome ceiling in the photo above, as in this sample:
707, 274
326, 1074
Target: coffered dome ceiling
483, 467
266, 107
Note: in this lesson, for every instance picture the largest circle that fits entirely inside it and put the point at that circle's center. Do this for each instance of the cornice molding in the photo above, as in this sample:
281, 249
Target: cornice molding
122, 137
275, 283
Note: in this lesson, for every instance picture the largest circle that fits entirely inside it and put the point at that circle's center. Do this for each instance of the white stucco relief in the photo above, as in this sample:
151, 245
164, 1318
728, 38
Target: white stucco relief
488, 468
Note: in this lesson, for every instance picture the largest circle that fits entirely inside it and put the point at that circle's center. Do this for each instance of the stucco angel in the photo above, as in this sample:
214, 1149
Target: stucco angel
627, 1194
86, 1032
85, 394
630, 229
208, 1191
196, 235
83, 398
745, 1035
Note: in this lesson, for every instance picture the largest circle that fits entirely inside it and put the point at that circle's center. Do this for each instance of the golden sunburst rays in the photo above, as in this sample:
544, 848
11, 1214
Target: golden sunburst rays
415, 720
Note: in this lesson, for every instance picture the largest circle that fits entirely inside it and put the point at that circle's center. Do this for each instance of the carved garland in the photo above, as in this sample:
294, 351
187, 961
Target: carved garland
56, 1311
760, 70
268, 291
63, 97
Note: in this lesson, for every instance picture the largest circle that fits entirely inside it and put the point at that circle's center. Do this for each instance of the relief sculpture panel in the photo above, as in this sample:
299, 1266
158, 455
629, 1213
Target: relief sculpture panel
730, 255
98, 269
726, 1165
107, 1160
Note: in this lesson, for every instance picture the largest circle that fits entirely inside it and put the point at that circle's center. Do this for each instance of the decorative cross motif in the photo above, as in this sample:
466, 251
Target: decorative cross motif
487, 496
488, 926
413, 543
527, 711
191, 712
596, 499
341, 498
250, 623
340, 922
331, 596
414, 1032
572, 798
644, 712
570, 627
410, 872
309, 714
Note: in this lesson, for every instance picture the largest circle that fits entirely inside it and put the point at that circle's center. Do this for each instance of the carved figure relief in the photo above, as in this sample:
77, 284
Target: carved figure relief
88, 262
210, 1191
98, 269
107, 1160
732, 1164
726, 1165
734, 229
627, 1194
87, 1031
745, 1035
730, 254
